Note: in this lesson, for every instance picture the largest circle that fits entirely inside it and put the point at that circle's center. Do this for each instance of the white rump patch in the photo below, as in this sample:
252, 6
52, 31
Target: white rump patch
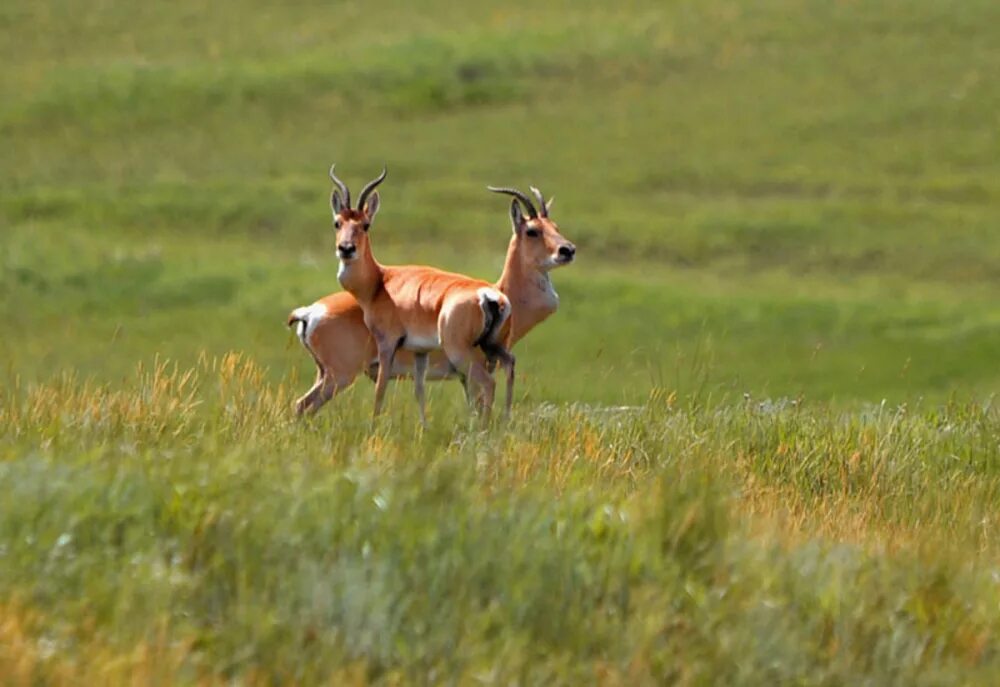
490, 325
309, 317
486, 293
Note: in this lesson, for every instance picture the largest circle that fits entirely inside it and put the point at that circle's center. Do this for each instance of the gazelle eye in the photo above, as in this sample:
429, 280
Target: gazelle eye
336, 224
533, 233
367, 224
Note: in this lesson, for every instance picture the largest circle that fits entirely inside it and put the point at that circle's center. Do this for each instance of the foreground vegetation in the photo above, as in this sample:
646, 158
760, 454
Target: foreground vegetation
756, 445
680, 540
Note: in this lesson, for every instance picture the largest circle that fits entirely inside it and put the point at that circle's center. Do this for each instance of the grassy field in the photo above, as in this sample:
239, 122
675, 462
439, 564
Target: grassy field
756, 445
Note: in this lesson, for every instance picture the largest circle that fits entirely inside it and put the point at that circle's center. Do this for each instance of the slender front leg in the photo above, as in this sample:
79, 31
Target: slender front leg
386, 352
419, 374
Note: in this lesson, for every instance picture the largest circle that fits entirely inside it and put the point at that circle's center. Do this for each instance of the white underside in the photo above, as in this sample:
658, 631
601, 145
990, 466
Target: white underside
421, 343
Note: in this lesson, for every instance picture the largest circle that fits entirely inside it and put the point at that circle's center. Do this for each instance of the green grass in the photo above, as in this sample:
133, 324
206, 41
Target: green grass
789, 265
205, 533
689, 144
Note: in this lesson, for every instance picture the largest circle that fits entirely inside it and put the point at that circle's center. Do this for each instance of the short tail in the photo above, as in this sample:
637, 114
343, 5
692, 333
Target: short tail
299, 320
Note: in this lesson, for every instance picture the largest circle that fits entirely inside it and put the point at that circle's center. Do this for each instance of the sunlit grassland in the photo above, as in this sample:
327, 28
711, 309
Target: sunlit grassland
102, 302
672, 540
756, 445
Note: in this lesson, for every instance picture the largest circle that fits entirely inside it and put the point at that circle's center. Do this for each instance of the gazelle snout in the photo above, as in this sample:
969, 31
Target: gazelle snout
566, 253
346, 250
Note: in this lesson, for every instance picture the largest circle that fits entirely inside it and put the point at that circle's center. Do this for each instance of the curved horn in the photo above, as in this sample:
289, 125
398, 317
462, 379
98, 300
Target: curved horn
341, 185
528, 205
542, 209
369, 187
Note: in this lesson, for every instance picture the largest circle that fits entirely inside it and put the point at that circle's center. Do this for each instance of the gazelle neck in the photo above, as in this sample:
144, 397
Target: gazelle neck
532, 297
361, 277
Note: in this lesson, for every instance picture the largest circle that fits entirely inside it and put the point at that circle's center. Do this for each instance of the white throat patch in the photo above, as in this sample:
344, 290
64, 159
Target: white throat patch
546, 287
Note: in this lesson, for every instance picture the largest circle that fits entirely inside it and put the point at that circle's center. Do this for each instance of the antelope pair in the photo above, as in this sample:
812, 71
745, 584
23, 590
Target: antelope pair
418, 321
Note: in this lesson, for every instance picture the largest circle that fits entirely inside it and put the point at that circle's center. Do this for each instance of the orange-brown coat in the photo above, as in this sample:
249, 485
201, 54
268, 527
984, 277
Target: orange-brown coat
420, 308
333, 329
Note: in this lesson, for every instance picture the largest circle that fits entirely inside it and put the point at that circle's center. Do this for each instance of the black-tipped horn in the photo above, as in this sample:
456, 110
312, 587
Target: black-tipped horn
369, 187
543, 209
342, 186
528, 205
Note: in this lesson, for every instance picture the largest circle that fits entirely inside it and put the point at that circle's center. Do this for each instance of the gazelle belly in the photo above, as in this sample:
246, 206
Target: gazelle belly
424, 341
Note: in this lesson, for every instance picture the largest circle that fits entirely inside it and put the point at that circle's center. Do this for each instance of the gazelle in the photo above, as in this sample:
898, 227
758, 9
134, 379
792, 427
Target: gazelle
333, 331
419, 308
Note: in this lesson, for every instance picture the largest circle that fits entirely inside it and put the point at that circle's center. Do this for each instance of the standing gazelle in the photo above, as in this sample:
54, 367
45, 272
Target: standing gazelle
419, 308
333, 329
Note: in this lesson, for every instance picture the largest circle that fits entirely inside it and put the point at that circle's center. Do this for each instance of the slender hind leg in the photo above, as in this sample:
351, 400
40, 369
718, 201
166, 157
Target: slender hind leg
307, 399
464, 381
467, 328
419, 374
484, 380
507, 361
326, 387
479, 385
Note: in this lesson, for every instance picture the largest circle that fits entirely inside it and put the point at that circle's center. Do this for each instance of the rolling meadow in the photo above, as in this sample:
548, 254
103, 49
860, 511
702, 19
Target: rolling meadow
758, 444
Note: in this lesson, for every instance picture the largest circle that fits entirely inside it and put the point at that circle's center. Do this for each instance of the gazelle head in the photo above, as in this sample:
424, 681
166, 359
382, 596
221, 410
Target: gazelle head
352, 225
536, 240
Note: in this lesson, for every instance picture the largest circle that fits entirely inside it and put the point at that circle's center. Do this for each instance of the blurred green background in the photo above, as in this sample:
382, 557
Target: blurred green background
786, 198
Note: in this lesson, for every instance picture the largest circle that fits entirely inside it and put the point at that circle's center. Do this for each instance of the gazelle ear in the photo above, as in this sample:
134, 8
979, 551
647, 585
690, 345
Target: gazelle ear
372, 205
336, 202
548, 205
516, 216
